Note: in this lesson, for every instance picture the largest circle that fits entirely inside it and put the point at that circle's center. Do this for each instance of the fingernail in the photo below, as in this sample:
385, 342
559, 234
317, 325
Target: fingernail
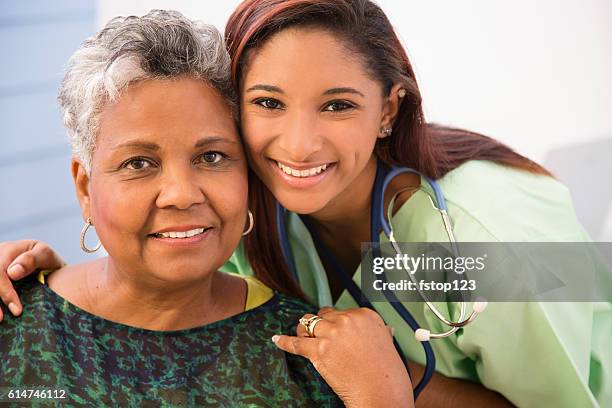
15, 269
14, 308
275, 338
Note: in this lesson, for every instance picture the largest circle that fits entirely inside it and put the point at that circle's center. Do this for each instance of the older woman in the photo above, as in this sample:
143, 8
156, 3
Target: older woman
160, 172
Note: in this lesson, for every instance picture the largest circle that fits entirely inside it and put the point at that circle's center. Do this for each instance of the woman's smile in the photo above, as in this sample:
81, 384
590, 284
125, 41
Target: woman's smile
303, 175
182, 236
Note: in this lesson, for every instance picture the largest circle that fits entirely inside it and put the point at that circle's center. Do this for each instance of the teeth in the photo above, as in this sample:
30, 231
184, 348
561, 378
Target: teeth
301, 173
181, 234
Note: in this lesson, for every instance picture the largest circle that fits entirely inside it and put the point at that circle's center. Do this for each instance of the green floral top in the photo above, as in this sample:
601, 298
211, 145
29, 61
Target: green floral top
55, 345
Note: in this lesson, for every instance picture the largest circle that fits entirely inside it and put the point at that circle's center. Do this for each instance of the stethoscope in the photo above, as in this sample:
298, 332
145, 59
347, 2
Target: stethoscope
424, 334
379, 222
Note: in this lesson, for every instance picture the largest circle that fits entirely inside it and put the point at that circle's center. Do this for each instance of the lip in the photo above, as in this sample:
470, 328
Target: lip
301, 182
303, 166
181, 228
183, 242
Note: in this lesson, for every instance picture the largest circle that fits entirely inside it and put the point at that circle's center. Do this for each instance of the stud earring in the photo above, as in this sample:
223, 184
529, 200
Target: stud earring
386, 132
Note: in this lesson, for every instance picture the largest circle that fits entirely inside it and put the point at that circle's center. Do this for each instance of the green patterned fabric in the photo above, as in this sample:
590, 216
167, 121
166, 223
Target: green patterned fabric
229, 363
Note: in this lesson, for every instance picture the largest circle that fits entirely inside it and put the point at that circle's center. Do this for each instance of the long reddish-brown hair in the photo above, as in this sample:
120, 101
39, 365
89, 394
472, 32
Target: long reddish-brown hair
365, 29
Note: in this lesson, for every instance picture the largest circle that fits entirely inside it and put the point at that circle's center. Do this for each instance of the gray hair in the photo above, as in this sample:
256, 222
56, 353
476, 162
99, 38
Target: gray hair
162, 44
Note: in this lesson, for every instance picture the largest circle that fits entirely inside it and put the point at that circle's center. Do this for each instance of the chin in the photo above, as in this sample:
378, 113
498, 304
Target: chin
304, 204
183, 272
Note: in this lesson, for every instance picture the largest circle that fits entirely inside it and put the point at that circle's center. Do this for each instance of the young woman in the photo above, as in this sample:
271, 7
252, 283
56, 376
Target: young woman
328, 102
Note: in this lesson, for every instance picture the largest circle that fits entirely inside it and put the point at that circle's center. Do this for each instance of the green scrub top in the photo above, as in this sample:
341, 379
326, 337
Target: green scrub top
536, 354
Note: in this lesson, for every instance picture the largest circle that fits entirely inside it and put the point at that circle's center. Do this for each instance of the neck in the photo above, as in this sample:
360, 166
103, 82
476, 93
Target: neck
149, 303
349, 212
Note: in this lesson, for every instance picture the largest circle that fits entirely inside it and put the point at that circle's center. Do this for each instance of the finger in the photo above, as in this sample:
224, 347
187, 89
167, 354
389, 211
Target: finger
391, 330
331, 314
8, 295
301, 329
40, 256
326, 309
318, 329
301, 346
10, 250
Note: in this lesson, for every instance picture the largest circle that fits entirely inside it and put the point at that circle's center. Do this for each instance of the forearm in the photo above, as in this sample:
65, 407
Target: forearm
450, 392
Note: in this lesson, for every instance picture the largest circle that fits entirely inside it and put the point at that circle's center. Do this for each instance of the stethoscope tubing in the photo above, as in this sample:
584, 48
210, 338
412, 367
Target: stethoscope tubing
442, 208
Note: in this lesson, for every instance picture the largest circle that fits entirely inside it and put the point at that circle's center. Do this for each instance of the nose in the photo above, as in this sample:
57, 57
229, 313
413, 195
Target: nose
179, 189
300, 137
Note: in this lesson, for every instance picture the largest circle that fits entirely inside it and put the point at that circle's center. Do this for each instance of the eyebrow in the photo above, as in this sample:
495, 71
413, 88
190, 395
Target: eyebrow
205, 141
209, 140
137, 144
263, 87
334, 91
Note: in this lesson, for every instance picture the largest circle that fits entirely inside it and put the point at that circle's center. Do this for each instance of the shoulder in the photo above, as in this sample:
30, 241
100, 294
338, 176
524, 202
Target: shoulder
293, 306
289, 307
285, 311
478, 179
491, 202
513, 204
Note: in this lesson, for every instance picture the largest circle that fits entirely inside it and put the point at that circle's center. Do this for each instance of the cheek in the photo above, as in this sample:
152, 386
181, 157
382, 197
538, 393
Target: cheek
228, 199
353, 138
257, 133
116, 210
228, 196
237, 197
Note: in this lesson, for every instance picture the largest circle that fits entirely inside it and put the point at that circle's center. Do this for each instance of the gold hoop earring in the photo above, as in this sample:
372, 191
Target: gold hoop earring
88, 224
251, 224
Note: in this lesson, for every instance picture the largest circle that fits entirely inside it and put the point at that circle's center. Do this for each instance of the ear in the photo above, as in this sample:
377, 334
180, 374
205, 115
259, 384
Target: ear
81, 183
390, 108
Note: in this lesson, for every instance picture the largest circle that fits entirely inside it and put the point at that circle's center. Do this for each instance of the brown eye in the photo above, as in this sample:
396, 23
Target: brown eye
137, 164
268, 103
212, 157
337, 106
